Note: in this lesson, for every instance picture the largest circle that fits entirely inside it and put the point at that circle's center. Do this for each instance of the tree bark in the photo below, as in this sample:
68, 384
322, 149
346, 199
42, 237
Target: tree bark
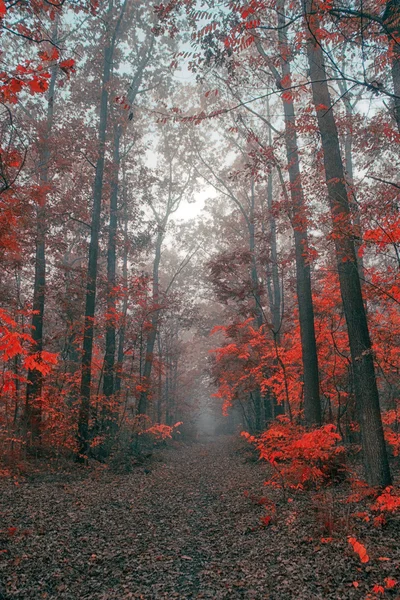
256, 396
366, 392
33, 411
109, 358
312, 403
121, 337
391, 19
276, 299
348, 160
91, 285
148, 361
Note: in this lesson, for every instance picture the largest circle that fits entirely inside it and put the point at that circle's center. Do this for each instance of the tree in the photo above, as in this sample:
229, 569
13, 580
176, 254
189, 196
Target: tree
374, 450
110, 38
173, 187
34, 385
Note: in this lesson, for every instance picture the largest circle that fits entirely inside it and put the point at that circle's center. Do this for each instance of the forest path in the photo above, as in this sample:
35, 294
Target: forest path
184, 530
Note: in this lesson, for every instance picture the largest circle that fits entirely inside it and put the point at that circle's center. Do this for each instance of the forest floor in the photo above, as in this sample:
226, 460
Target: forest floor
186, 526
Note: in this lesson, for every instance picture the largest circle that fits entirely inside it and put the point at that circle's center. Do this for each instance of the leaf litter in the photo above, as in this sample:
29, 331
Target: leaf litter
198, 523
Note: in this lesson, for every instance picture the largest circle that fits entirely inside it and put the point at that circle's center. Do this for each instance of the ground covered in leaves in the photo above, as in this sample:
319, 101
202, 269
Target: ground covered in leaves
188, 525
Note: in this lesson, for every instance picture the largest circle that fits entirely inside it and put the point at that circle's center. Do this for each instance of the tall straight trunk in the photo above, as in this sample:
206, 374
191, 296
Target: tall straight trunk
159, 398
276, 288
91, 285
257, 399
348, 161
252, 247
33, 412
167, 388
121, 337
366, 392
174, 390
151, 339
275, 293
109, 359
312, 403
391, 20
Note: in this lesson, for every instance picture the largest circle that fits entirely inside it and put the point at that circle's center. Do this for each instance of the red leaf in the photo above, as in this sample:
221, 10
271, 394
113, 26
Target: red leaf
378, 589
67, 64
390, 583
38, 86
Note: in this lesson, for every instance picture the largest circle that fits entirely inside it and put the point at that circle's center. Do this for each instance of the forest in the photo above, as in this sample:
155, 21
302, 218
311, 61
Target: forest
199, 299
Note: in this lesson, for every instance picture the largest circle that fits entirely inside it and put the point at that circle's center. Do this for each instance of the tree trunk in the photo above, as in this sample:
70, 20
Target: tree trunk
366, 392
91, 285
391, 20
148, 361
348, 158
160, 390
312, 403
256, 396
121, 337
276, 288
33, 411
109, 358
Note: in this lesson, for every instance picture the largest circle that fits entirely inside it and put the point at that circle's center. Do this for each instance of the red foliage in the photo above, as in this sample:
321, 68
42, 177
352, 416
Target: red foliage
300, 458
359, 549
160, 431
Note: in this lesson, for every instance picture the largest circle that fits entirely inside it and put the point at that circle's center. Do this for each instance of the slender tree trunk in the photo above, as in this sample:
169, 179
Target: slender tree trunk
391, 19
348, 157
167, 388
121, 338
173, 403
276, 288
257, 399
312, 403
33, 412
91, 286
109, 359
151, 339
374, 450
159, 399
108, 416
273, 283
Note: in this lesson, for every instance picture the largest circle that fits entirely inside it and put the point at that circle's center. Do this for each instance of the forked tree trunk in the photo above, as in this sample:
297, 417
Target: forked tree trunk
366, 392
91, 285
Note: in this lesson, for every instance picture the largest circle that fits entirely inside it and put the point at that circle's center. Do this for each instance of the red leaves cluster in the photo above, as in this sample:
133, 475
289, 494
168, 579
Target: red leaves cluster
300, 458
41, 361
388, 501
161, 431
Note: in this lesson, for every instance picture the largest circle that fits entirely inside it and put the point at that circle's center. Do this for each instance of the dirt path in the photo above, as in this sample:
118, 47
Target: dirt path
184, 530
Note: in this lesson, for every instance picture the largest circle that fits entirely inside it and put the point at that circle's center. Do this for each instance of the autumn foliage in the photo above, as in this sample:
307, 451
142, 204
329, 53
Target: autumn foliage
300, 459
